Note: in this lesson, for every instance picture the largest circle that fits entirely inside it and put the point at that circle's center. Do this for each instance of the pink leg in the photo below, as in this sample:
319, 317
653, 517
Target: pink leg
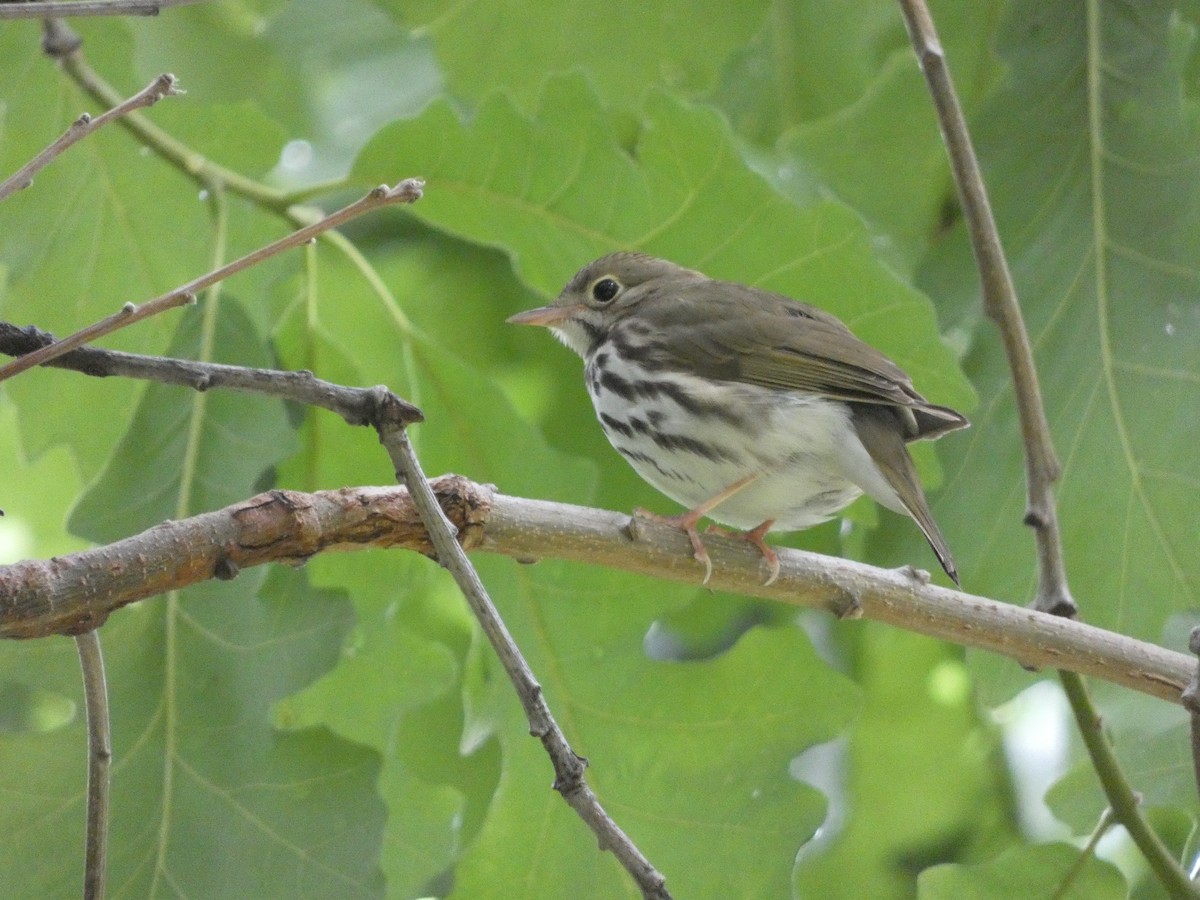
757, 536
686, 522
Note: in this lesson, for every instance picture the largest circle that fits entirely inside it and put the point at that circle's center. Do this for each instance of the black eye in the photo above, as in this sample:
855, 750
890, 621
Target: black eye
605, 289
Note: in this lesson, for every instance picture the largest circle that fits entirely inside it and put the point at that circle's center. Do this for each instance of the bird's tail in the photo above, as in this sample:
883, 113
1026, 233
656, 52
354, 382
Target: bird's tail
885, 444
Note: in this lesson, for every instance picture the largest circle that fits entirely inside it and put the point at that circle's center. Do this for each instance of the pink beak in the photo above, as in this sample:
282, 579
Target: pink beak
544, 315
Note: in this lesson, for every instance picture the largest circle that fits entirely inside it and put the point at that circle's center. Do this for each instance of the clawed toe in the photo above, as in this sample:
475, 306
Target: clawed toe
687, 524
708, 567
699, 551
757, 537
772, 559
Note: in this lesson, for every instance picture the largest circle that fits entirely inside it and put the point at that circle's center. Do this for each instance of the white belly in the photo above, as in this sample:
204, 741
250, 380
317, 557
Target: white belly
806, 459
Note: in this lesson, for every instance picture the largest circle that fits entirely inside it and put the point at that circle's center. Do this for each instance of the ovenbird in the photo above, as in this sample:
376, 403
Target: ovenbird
748, 407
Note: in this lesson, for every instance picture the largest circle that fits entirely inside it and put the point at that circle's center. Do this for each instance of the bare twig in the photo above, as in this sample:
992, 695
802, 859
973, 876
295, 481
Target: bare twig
407, 191
1000, 303
568, 765
95, 692
162, 86
1126, 804
1041, 464
1067, 886
44, 9
355, 405
64, 45
75, 592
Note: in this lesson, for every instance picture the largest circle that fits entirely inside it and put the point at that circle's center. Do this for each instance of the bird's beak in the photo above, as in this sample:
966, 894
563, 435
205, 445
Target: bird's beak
548, 316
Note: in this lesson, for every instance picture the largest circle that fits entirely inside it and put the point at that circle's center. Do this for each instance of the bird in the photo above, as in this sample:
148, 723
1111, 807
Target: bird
750, 408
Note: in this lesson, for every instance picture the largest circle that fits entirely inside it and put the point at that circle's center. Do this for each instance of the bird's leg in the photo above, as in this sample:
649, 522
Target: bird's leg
757, 536
686, 522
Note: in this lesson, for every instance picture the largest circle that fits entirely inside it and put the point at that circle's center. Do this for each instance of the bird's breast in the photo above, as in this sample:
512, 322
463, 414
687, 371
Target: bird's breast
692, 437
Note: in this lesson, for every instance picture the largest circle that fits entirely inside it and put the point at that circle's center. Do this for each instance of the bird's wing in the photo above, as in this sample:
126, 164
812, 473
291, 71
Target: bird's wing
737, 333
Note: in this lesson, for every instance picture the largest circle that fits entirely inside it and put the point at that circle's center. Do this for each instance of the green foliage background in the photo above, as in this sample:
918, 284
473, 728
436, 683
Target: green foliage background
343, 730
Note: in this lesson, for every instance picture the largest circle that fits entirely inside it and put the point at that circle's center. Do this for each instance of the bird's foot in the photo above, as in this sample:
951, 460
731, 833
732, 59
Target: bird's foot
757, 537
686, 522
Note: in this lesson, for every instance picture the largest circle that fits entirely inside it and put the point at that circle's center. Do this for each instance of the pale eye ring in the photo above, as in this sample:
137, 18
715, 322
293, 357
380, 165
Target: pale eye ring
604, 290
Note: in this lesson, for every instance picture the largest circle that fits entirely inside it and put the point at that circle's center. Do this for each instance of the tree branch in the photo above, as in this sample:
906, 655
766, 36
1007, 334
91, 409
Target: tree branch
1042, 468
1125, 803
569, 766
73, 593
95, 693
358, 406
1001, 306
45, 9
64, 45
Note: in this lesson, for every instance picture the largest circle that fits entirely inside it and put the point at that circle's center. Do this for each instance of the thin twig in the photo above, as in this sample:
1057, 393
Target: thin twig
407, 191
77, 591
1041, 464
569, 766
355, 405
1000, 303
162, 86
1126, 804
1087, 854
64, 45
95, 693
45, 9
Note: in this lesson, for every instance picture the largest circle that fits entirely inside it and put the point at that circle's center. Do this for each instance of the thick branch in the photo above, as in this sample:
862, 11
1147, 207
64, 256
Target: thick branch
72, 593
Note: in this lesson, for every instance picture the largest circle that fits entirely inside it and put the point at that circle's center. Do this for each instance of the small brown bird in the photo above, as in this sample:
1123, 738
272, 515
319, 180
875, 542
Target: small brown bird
756, 410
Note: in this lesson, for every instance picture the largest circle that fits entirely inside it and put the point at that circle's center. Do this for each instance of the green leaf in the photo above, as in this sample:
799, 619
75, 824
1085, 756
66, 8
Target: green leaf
1095, 190
33, 496
1048, 870
387, 670
1106, 176
105, 207
920, 780
625, 47
211, 449
690, 758
853, 83
809, 60
217, 50
208, 800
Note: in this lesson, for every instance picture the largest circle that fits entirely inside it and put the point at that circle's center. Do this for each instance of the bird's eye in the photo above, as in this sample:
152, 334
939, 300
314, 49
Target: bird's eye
605, 289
